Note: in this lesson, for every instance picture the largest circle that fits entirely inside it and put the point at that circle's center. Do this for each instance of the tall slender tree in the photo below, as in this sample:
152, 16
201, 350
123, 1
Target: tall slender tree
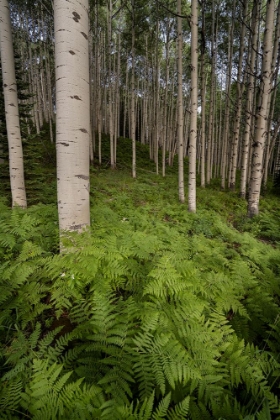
73, 113
251, 62
262, 113
194, 97
11, 108
180, 118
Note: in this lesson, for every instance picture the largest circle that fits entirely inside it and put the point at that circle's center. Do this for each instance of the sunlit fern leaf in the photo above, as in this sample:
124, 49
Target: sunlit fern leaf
162, 408
180, 411
10, 394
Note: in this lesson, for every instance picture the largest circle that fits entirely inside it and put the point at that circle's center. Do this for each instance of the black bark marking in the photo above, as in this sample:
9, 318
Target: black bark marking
83, 130
76, 97
72, 52
63, 144
84, 35
76, 17
82, 177
75, 227
11, 104
5, 85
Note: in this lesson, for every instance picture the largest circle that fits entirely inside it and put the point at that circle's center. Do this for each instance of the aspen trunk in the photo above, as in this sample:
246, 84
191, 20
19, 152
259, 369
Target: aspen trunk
133, 134
73, 113
180, 118
227, 105
240, 89
250, 99
193, 122
210, 139
261, 117
203, 92
165, 105
272, 93
11, 108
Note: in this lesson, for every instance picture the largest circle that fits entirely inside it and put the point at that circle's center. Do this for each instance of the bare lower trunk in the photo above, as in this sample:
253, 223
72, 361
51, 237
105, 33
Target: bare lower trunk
261, 117
73, 115
11, 108
193, 122
180, 119
249, 101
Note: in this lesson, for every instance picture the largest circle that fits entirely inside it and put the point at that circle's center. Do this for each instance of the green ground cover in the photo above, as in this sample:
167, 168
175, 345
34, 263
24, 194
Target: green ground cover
158, 314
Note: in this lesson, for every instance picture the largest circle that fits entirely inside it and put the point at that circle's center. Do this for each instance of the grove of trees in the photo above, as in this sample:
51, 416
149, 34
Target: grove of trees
152, 330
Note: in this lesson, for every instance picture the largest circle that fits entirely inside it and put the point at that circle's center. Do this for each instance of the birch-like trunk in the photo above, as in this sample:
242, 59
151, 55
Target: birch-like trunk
73, 113
250, 99
262, 111
237, 120
180, 117
193, 122
203, 97
11, 108
165, 105
227, 105
210, 139
132, 114
272, 93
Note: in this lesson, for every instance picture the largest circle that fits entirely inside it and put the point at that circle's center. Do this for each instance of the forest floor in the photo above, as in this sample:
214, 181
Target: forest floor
219, 269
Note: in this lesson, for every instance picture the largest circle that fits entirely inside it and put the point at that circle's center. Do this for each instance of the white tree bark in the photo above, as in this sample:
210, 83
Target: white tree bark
262, 112
132, 104
193, 126
180, 118
73, 113
250, 100
11, 108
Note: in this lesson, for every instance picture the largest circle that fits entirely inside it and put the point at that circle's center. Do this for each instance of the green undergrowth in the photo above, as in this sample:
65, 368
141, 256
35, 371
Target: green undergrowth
157, 314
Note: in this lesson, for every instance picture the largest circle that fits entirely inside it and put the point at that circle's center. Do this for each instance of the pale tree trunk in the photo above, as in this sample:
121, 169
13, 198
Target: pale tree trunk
270, 138
156, 101
33, 91
250, 98
227, 105
210, 139
165, 105
172, 123
110, 87
133, 134
272, 93
73, 113
193, 126
11, 108
180, 118
240, 89
203, 92
261, 117
125, 101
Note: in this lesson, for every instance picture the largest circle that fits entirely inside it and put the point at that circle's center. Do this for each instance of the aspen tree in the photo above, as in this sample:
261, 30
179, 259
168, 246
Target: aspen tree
110, 88
11, 108
193, 122
73, 113
165, 105
251, 57
202, 94
156, 97
227, 104
180, 118
272, 93
210, 138
262, 112
240, 89
132, 111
